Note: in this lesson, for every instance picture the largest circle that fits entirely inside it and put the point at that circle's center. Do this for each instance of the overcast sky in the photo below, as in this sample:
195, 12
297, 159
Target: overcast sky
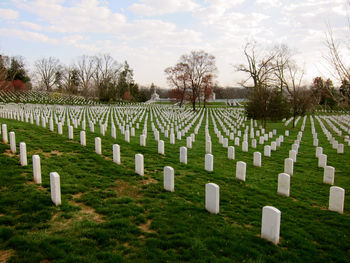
152, 34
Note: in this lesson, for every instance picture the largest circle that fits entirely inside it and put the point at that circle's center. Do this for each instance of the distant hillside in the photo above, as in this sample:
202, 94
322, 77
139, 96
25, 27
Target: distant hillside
43, 97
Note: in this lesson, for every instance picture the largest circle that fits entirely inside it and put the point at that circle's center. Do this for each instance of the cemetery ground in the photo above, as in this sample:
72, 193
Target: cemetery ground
110, 214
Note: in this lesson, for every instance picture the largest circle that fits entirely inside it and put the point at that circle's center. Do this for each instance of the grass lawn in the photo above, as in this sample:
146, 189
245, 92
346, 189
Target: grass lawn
110, 214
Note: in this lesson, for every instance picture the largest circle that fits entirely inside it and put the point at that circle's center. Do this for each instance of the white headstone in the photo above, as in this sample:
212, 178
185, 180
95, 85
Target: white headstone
70, 132
51, 124
293, 155
172, 138
257, 159
340, 148
139, 164
322, 160
231, 153
98, 147
55, 187
283, 184
189, 142
23, 153
273, 146
102, 129
82, 138
295, 147
225, 142
169, 184
179, 135
328, 175
336, 199
278, 142
241, 170
319, 150
183, 155
4, 133
270, 226
254, 143
36, 169
161, 147
288, 166
267, 150
113, 132
143, 140
212, 198
12, 142
127, 136
59, 128
281, 138
231, 136
261, 140
244, 146
208, 147
116, 153
237, 141
209, 162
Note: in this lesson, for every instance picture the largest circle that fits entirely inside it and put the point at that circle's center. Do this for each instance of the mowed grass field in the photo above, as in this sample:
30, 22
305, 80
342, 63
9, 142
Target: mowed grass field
110, 214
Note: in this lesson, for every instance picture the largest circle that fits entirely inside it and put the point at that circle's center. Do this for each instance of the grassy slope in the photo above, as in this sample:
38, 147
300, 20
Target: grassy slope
110, 214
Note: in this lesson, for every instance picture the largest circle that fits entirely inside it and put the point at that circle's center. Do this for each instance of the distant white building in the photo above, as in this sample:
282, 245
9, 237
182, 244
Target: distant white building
154, 98
211, 98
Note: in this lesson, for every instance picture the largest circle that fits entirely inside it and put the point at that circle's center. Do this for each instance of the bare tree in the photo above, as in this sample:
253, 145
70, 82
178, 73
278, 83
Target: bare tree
340, 70
106, 70
335, 58
86, 68
46, 69
282, 63
192, 77
178, 78
201, 71
260, 67
290, 77
207, 88
70, 80
4, 64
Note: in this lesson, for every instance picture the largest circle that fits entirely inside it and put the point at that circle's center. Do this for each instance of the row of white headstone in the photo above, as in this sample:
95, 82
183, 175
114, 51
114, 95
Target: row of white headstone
54, 177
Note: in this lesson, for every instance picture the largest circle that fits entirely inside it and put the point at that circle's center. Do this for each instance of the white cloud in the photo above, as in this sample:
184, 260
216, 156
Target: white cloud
224, 3
274, 3
160, 7
76, 41
80, 16
31, 25
91, 16
340, 10
8, 14
158, 33
220, 27
27, 35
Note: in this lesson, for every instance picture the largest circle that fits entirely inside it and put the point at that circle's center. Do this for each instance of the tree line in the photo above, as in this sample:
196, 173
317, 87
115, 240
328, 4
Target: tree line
273, 83
99, 76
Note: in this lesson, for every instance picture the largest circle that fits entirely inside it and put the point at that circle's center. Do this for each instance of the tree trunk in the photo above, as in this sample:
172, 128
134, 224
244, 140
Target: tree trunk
181, 102
294, 115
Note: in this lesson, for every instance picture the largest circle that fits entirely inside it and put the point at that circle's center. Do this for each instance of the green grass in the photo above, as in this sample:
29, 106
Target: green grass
110, 214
